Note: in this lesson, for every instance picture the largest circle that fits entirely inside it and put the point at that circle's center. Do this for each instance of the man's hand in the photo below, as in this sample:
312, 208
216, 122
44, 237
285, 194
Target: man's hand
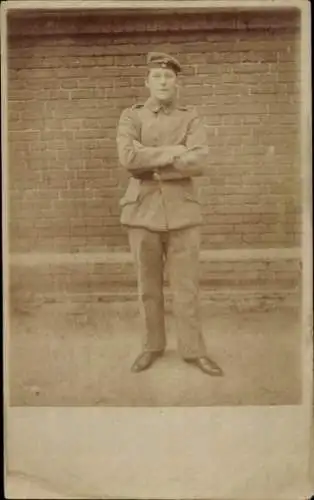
187, 164
137, 145
182, 162
179, 163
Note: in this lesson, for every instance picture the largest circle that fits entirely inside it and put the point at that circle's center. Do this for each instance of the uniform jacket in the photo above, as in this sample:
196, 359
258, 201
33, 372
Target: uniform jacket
162, 148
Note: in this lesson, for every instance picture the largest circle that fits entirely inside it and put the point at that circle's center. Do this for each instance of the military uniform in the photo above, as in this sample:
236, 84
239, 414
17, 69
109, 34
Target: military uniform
163, 214
163, 147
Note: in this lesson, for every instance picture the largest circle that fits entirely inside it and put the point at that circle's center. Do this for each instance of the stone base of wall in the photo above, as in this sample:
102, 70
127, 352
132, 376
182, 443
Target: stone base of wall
256, 278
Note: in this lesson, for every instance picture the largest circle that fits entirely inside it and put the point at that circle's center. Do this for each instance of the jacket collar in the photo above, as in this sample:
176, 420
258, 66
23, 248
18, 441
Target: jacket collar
155, 106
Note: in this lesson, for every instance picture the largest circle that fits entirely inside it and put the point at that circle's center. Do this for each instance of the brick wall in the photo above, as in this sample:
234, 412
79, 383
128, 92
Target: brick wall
70, 78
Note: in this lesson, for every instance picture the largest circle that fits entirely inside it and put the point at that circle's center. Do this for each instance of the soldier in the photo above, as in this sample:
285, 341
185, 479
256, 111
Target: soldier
163, 145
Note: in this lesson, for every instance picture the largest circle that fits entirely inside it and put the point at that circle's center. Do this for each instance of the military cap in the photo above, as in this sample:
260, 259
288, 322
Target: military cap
161, 60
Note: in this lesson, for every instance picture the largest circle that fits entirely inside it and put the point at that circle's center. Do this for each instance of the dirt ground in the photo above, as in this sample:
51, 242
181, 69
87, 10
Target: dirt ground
80, 355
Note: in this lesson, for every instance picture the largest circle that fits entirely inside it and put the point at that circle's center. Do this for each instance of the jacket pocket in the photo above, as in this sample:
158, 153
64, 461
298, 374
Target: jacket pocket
131, 195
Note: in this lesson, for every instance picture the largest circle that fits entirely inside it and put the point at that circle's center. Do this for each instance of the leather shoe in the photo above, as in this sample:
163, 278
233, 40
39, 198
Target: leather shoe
207, 366
145, 360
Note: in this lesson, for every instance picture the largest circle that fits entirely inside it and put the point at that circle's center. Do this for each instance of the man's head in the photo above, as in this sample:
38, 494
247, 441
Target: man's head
162, 78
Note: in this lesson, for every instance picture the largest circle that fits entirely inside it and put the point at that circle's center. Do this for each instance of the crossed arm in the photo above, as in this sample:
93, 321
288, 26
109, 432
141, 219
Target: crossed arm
171, 162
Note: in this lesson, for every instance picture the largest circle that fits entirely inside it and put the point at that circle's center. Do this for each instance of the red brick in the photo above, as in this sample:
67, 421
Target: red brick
70, 155
218, 229
202, 69
252, 68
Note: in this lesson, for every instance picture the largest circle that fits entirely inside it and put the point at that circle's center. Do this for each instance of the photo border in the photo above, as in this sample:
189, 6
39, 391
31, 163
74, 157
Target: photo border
292, 423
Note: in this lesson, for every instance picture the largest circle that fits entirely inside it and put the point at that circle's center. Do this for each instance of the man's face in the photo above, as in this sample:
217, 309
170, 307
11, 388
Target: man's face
162, 84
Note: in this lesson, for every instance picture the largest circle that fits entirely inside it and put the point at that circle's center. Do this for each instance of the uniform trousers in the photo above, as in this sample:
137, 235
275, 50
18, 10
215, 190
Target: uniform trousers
179, 250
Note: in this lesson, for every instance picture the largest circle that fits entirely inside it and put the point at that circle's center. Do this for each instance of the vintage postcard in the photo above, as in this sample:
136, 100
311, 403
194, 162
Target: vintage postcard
158, 249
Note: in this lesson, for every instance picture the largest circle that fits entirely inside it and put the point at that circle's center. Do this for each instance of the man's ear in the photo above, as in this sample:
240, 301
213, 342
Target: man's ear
179, 81
178, 86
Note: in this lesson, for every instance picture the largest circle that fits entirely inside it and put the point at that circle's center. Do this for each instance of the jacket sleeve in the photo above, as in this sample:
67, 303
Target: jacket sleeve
193, 160
136, 157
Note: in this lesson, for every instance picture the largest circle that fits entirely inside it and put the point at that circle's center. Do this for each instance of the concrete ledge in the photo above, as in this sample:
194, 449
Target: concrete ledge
247, 300
43, 258
235, 278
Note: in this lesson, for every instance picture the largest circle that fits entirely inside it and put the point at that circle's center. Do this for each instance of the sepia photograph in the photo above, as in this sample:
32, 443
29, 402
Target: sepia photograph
155, 201
157, 210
